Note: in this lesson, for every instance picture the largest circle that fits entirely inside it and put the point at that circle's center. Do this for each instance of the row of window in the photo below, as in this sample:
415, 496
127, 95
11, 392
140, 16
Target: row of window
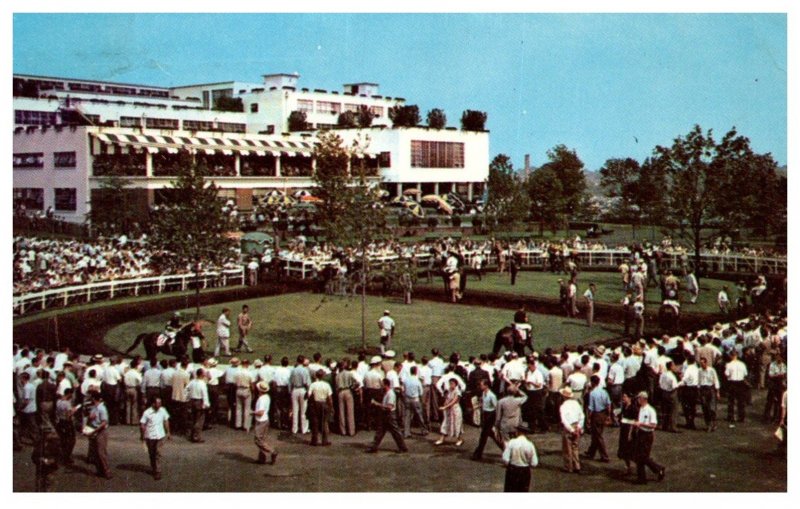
334, 108
188, 125
36, 160
65, 199
437, 154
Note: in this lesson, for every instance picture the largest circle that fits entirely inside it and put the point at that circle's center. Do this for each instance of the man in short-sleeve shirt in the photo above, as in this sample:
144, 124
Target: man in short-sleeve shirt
154, 426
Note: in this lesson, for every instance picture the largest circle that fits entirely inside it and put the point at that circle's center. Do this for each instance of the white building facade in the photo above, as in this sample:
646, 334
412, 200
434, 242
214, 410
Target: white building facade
71, 132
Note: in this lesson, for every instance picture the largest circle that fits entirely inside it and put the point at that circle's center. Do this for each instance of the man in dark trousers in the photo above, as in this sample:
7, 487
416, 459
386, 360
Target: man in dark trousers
519, 457
513, 268
645, 424
488, 418
386, 421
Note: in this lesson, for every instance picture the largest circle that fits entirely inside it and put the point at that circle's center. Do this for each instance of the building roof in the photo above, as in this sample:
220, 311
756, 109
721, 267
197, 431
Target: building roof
55, 78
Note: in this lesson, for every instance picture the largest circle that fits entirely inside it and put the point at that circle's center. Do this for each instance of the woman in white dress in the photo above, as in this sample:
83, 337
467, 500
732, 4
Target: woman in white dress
453, 419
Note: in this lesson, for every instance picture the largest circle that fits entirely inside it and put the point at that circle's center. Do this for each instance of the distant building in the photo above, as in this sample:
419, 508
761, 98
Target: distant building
70, 132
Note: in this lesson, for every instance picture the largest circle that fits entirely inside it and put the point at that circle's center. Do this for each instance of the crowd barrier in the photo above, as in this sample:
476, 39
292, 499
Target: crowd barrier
601, 259
72, 295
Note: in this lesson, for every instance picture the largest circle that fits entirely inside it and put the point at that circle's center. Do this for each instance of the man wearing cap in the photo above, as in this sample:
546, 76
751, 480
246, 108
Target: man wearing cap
197, 394
261, 414
387, 329
230, 389
320, 404
645, 424
373, 388
281, 398
213, 377
572, 421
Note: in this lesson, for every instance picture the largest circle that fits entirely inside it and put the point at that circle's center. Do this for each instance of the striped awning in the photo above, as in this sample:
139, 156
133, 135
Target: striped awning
227, 146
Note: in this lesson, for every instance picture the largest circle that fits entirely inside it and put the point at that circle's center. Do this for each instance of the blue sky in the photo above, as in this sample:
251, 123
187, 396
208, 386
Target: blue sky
594, 82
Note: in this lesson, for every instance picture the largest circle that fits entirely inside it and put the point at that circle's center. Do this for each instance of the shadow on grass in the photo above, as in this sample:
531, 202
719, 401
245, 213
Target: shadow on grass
135, 467
238, 457
300, 335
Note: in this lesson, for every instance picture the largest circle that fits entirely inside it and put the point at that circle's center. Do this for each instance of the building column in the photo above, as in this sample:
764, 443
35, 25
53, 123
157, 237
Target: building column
399, 189
148, 164
469, 191
313, 166
237, 165
436, 188
277, 166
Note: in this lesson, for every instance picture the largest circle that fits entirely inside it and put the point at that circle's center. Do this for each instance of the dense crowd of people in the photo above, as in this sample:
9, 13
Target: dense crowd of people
42, 264
637, 387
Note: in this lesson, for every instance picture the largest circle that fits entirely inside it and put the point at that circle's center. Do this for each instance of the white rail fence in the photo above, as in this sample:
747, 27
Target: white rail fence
715, 263
72, 295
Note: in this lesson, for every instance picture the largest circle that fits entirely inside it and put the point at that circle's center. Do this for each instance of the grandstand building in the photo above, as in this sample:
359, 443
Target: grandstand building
70, 133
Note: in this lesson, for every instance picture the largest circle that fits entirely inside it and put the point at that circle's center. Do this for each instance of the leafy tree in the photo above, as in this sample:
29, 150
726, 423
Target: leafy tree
650, 197
568, 168
405, 115
193, 225
472, 120
346, 119
351, 213
437, 119
546, 198
619, 179
226, 103
365, 116
297, 121
508, 201
113, 212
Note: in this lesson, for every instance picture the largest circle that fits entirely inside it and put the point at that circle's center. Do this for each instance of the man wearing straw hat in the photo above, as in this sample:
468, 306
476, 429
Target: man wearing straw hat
572, 420
261, 414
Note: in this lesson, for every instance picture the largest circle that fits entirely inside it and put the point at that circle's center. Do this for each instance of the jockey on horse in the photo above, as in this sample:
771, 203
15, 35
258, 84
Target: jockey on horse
172, 328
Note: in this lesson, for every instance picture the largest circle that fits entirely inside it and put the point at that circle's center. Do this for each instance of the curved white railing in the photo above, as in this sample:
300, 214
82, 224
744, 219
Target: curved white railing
71, 295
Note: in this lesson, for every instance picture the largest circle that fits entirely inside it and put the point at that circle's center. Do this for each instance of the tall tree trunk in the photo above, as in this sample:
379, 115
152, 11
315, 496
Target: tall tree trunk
697, 246
364, 299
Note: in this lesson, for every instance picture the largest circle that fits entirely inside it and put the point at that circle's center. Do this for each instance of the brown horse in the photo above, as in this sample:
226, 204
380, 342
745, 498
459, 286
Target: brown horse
178, 349
510, 338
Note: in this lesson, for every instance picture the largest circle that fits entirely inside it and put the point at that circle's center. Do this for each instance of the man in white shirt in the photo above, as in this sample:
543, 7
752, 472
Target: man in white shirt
709, 393
261, 414
519, 457
572, 421
320, 402
690, 391
588, 297
723, 301
197, 396
736, 375
133, 383
572, 296
668, 386
154, 428
646, 425
223, 333
386, 326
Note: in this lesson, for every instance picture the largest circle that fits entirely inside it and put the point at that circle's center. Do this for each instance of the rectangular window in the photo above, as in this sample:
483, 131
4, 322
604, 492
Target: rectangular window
64, 159
225, 92
29, 160
32, 198
254, 108
130, 121
28, 117
306, 105
66, 199
230, 127
322, 125
161, 123
437, 154
385, 159
376, 110
351, 107
328, 107
198, 125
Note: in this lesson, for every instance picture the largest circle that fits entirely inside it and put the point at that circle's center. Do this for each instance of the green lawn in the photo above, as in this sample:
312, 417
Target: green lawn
609, 288
305, 323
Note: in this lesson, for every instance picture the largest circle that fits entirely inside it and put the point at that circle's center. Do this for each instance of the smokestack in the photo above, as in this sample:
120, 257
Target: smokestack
527, 162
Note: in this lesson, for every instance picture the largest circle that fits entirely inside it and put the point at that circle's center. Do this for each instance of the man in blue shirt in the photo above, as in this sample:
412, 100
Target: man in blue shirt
412, 397
599, 414
98, 439
488, 418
